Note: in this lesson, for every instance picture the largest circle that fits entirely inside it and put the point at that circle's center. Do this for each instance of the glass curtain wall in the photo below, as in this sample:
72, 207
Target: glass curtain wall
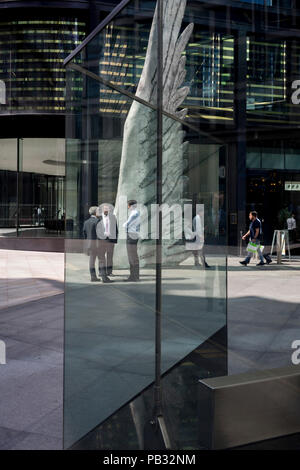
32, 49
131, 139
42, 207
32, 81
8, 186
32, 187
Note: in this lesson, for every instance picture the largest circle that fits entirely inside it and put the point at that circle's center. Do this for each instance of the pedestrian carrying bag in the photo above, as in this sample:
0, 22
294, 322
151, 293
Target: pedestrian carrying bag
252, 247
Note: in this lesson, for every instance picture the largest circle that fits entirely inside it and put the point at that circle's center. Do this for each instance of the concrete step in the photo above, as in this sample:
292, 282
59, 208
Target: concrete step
250, 407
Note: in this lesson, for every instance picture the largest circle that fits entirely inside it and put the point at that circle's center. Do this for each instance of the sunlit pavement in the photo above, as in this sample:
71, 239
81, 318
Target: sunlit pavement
29, 275
263, 320
263, 314
31, 324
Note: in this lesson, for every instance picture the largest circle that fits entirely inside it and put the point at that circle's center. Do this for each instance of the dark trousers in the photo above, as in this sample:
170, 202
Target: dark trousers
93, 252
292, 236
106, 253
133, 258
197, 254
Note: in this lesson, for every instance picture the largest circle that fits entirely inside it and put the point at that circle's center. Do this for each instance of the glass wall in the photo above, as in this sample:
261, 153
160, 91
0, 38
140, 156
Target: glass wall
193, 114
32, 184
109, 327
123, 146
33, 46
8, 186
32, 49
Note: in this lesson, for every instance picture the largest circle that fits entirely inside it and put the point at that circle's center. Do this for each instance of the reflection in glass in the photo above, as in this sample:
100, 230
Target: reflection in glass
8, 187
109, 327
112, 159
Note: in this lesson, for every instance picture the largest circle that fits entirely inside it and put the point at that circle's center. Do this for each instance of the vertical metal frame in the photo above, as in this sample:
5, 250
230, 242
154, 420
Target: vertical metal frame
19, 175
158, 299
97, 30
240, 119
159, 421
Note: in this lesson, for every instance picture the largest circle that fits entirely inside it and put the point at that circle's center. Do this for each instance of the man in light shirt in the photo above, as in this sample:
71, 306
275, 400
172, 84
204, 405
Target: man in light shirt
107, 234
195, 239
132, 227
292, 228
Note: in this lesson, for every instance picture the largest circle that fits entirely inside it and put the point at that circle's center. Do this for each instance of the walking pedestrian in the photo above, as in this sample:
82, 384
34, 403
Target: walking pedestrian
255, 233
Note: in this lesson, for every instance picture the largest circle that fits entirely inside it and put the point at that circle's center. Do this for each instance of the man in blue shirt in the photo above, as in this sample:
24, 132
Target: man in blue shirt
132, 227
255, 233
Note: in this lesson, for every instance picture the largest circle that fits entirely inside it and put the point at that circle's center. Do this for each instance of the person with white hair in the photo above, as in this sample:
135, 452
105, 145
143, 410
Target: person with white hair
107, 234
90, 235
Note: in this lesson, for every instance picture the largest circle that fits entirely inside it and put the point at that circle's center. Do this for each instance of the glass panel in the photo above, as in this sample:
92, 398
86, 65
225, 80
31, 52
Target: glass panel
118, 52
272, 68
109, 328
253, 158
209, 56
229, 78
194, 276
209, 65
41, 191
262, 338
292, 159
193, 217
32, 49
266, 91
272, 158
111, 152
8, 187
126, 428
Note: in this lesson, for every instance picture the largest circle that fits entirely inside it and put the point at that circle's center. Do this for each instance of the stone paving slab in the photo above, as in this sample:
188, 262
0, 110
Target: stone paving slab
29, 275
31, 383
263, 314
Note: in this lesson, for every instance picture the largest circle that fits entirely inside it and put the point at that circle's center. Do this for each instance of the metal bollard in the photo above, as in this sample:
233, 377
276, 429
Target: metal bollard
241, 243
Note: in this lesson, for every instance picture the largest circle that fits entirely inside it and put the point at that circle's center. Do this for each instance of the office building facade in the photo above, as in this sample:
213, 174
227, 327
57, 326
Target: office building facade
191, 108
35, 39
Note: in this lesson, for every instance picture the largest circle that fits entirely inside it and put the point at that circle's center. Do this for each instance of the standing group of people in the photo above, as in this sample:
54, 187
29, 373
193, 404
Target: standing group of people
101, 232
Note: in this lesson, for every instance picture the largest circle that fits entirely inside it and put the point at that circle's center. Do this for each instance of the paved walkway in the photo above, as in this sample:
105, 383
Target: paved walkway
31, 324
263, 320
28, 275
263, 314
